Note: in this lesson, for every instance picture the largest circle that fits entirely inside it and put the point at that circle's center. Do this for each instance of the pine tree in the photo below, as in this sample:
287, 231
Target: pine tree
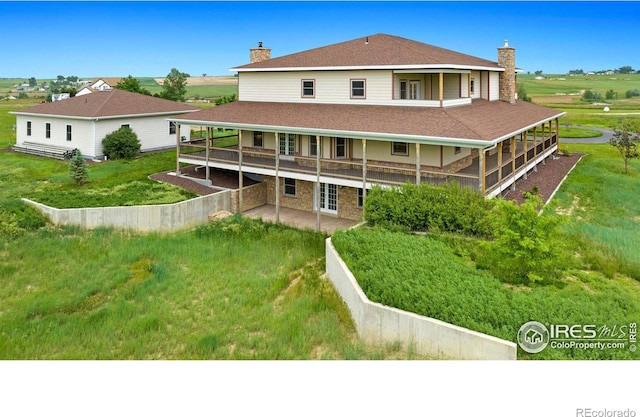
78, 169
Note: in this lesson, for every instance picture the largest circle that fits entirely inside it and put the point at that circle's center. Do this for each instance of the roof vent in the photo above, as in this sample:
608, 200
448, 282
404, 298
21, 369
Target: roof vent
506, 43
366, 42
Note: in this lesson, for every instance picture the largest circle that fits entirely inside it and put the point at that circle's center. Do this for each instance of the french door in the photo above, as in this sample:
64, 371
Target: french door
328, 199
287, 145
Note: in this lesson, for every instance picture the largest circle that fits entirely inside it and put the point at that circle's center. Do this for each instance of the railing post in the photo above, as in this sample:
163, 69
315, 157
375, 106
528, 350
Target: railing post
240, 175
177, 149
364, 174
513, 161
277, 178
206, 141
318, 169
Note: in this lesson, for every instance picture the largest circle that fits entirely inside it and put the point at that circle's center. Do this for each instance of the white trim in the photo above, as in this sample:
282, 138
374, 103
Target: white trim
443, 67
97, 118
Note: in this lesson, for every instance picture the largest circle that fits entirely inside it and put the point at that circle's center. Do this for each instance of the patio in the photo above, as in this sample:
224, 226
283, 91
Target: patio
299, 219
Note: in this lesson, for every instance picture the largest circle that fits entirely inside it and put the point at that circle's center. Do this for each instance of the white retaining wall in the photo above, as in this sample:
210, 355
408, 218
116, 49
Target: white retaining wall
379, 324
150, 218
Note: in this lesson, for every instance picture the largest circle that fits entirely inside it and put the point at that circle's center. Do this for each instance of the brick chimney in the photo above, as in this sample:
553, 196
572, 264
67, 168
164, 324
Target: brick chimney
260, 54
507, 60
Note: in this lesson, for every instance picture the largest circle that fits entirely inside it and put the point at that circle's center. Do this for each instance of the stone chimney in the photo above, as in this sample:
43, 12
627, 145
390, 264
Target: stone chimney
507, 60
260, 54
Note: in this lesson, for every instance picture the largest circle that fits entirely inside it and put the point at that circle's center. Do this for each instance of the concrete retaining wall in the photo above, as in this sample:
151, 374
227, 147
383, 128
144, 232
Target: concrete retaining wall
379, 324
156, 218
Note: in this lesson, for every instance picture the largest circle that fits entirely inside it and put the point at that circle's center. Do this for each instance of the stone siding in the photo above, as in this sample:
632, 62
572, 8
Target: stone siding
252, 196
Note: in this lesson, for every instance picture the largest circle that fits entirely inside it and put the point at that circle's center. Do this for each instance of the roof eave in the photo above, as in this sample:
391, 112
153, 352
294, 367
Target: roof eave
389, 137
372, 67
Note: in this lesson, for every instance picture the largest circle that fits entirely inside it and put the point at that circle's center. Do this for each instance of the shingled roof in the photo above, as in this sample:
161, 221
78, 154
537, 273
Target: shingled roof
373, 51
478, 124
111, 103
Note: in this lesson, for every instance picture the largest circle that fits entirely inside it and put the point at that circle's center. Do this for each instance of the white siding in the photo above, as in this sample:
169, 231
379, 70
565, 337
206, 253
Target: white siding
330, 86
87, 135
152, 132
81, 137
484, 85
494, 85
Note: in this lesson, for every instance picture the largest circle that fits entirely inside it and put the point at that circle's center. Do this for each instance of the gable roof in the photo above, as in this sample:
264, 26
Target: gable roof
374, 51
108, 104
112, 81
477, 125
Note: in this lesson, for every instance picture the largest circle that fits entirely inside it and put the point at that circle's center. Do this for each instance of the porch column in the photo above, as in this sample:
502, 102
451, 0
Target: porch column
177, 149
535, 148
364, 172
417, 164
318, 168
513, 160
441, 87
481, 170
523, 138
558, 133
499, 162
206, 153
240, 175
277, 178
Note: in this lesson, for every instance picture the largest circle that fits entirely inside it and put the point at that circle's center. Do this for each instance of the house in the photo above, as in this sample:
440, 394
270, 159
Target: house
99, 84
320, 126
82, 122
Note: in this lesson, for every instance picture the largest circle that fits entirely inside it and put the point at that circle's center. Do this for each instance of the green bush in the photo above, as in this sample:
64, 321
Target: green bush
447, 208
121, 144
17, 217
528, 246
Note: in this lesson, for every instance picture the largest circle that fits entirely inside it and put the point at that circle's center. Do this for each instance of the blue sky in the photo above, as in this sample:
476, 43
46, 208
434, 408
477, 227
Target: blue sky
92, 39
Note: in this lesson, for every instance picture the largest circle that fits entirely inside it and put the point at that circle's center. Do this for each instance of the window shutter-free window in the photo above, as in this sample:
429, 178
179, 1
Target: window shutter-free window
308, 88
68, 133
28, 128
357, 89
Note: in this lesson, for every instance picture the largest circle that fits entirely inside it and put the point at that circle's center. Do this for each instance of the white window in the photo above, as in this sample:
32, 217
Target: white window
400, 148
47, 130
357, 88
28, 128
457, 150
68, 133
287, 143
473, 85
172, 128
290, 187
308, 88
403, 89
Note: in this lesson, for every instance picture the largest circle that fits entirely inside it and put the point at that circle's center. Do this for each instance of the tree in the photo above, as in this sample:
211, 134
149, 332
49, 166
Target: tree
122, 143
611, 95
32, 82
133, 85
78, 169
522, 93
626, 70
538, 73
175, 86
625, 140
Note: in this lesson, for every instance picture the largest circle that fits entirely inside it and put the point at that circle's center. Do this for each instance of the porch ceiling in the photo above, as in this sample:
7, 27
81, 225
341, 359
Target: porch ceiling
478, 125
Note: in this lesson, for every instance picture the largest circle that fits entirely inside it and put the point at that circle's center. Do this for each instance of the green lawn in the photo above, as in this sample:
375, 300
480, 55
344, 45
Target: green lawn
599, 285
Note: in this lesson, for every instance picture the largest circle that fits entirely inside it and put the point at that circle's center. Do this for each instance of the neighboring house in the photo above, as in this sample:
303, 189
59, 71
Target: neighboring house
82, 122
60, 96
99, 84
321, 125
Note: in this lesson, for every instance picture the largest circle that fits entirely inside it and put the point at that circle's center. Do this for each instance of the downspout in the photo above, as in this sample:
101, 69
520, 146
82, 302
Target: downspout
481, 173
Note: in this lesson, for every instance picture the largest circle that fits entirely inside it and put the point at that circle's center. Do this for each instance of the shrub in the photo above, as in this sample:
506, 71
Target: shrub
632, 93
591, 95
121, 144
528, 247
447, 208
